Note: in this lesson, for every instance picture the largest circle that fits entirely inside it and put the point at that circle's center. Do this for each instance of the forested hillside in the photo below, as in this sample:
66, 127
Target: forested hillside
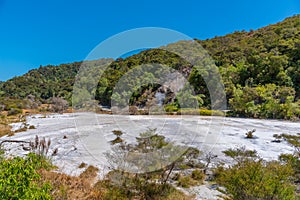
268, 55
260, 70
45, 82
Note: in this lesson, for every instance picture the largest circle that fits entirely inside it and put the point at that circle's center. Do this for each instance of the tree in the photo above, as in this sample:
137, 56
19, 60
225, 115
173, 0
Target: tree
58, 104
143, 168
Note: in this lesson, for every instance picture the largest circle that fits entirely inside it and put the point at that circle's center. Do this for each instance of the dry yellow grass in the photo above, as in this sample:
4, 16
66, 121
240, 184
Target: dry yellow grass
70, 187
178, 195
84, 187
6, 119
5, 130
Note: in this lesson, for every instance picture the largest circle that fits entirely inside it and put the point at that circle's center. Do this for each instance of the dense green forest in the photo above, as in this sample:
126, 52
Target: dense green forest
45, 82
260, 70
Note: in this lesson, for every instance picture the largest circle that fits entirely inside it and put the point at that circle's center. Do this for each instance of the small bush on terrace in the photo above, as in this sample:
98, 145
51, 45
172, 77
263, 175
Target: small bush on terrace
253, 178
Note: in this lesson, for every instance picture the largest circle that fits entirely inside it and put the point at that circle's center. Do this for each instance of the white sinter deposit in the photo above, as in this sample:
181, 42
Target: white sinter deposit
84, 137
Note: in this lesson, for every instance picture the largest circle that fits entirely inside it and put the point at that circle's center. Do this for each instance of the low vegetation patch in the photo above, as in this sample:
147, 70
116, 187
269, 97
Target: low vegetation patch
203, 112
253, 178
152, 179
19, 179
250, 134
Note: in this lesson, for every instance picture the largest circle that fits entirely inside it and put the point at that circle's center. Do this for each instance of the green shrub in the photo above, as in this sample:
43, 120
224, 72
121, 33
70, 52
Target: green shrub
176, 177
189, 111
13, 105
294, 162
212, 112
14, 111
204, 112
186, 181
39, 161
292, 159
171, 108
115, 194
149, 191
157, 191
241, 154
198, 175
19, 179
250, 179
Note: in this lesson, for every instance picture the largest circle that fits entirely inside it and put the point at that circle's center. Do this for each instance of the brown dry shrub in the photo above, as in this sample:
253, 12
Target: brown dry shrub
82, 165
5, 130
89, 173
71, 187
23, 129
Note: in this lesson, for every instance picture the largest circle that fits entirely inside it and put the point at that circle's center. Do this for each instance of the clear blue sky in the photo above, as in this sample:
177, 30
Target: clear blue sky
41, 32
